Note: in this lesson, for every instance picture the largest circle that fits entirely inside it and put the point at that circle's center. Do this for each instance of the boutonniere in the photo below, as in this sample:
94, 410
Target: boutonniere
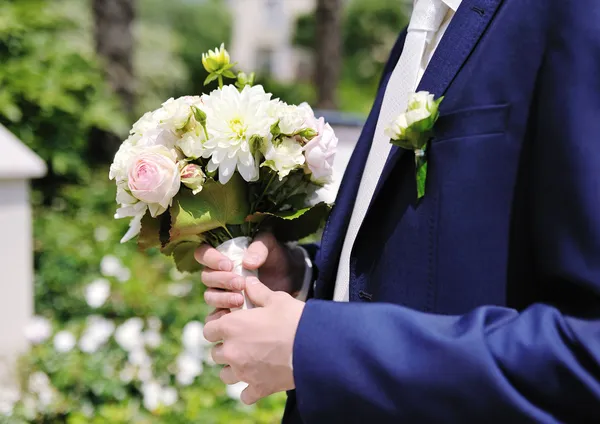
413, 130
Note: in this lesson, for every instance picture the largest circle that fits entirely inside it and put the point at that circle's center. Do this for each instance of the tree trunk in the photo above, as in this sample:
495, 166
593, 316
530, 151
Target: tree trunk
113, 21
328, 58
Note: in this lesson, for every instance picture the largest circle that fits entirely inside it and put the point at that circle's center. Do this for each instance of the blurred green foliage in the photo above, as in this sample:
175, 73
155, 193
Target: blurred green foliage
369, 30
52, 90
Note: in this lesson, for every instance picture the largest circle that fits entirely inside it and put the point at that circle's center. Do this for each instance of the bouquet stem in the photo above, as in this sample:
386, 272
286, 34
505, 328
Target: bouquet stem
235, 249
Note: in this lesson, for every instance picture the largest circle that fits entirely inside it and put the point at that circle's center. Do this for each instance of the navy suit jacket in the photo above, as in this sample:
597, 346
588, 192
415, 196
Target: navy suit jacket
481, 302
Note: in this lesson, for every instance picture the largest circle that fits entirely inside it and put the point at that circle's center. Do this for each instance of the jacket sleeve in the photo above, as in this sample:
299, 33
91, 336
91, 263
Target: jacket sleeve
383, 363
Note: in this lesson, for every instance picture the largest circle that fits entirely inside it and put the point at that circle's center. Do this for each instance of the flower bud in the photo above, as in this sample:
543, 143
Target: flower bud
193, 177
216, 60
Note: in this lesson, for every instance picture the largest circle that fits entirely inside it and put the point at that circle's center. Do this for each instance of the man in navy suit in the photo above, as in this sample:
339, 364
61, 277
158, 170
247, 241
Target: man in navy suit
481, 301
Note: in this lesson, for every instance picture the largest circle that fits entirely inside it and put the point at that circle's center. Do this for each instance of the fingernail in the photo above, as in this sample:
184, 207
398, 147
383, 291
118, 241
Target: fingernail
237, 283
225, 265
253, 280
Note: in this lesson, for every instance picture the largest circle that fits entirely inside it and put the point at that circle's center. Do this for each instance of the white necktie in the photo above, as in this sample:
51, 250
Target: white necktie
426, 19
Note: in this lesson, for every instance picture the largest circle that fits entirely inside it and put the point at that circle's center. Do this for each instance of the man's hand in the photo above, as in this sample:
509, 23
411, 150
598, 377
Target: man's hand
257, 344
279, 268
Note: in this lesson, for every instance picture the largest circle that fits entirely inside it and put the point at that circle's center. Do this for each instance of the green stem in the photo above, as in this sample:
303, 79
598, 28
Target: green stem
220, 81
228, 233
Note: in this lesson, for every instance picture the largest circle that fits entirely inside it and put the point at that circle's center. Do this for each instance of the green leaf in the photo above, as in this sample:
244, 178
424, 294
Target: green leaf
293, 225
229, 74
217, 205
210, 78
182, 251
150, 234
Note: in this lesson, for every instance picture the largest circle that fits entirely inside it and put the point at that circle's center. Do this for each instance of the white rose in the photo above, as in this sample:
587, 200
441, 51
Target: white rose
97, 292
146, 123
192, 144
293, 119
176, 113
422, 109
284, 157
38, 330
320, 152
64, 341
153, 178
323, 194
129, 334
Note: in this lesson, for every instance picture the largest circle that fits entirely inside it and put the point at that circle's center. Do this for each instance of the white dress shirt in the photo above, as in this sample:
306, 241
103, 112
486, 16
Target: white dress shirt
341, 292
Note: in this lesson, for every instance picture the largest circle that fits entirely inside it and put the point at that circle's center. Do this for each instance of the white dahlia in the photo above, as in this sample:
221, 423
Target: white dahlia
233, 118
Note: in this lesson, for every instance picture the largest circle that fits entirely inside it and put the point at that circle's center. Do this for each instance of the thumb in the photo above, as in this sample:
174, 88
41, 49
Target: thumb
259, 250
257, 292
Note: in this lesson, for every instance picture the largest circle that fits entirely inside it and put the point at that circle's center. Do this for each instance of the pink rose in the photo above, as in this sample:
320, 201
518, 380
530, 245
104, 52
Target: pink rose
154, 178
320, 152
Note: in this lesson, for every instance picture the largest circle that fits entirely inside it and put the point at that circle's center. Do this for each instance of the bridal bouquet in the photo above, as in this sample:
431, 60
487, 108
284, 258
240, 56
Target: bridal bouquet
220, 167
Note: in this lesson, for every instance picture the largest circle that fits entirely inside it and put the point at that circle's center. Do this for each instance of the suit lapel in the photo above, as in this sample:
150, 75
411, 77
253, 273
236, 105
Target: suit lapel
464, 32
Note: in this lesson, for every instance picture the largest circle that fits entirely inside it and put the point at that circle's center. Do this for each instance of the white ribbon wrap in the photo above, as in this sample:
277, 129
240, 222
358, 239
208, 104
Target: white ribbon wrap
234, 250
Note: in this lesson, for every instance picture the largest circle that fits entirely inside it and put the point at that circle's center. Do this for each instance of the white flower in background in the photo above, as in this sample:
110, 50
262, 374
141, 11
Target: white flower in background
144, 374
155, 396
154, 323
129, 334
97, 292
169, 396
234, 391
179, 289
39, 384
110, 266
320, 152
123, 275
233, 118
193, 338
152, 338
9, 396
139, 357
153, 178
96, 333
64, 341
188, 368
38, 330
284, 157
101, 234
176, 275
127, 374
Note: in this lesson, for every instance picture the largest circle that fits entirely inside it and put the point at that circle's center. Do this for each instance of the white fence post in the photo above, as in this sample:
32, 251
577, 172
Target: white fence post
18, 165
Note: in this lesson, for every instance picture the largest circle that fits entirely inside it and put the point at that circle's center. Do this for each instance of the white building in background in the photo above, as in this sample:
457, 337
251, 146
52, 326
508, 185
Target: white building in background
263, 32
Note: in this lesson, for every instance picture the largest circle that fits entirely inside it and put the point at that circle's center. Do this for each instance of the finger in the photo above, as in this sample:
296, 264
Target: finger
222, 280
250, 395
259, 250
216, 314
228, 376
217, 354
214, 331
223, 299
257, 292
212, 258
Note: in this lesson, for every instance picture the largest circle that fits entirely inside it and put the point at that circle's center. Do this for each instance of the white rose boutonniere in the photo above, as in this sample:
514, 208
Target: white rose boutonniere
413, 129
